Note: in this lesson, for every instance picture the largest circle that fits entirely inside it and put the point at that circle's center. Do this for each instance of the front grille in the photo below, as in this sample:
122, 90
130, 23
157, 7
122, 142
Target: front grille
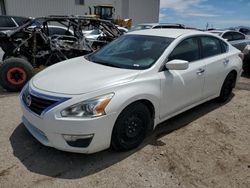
38, 105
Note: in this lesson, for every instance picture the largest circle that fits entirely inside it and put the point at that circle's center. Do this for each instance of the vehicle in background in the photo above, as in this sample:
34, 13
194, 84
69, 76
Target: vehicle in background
123, 30
36, 45
95, 33
238, 40
106, 12
120, 93
11, 22
157, 26
242, 29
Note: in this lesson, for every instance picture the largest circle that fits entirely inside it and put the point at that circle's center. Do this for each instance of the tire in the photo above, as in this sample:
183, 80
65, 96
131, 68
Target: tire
131, 127
227, 88
15, 73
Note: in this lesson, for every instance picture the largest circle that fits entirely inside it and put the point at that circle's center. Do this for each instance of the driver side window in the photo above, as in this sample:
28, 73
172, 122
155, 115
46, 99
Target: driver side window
187, 50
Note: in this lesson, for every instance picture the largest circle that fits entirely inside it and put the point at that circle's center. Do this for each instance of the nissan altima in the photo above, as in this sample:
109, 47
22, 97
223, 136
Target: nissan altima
117, 95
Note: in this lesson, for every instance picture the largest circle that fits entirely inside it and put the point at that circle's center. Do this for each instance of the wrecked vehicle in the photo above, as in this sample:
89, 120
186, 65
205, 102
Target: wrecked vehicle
31, 46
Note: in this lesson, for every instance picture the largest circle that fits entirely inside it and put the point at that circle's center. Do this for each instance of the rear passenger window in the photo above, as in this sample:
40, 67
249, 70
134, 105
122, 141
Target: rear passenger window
187, 50
210, 46
228, 36
224, 47
238, 36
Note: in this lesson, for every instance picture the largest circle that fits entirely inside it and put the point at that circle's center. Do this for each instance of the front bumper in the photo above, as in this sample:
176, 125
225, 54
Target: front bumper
49, 130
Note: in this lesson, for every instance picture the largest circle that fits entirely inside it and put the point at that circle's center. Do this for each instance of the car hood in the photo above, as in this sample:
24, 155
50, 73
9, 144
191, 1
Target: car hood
79, 76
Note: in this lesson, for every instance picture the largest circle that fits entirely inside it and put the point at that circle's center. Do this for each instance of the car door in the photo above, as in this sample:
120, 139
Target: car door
182, 88
214, 54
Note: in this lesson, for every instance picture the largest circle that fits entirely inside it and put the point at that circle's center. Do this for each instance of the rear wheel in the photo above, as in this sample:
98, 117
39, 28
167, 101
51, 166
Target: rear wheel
131, 127
227, 87
14, 73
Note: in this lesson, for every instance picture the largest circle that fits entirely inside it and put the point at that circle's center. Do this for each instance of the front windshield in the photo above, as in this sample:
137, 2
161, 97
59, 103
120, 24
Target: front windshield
132, 51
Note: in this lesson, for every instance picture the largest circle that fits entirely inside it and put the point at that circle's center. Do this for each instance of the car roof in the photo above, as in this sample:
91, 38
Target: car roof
170, 33
161, 24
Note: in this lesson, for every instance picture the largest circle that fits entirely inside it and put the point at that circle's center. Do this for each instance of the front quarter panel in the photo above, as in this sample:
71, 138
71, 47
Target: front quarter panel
145, 87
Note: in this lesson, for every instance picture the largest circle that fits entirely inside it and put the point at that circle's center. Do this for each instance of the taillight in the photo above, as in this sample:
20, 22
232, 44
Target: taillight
241, 55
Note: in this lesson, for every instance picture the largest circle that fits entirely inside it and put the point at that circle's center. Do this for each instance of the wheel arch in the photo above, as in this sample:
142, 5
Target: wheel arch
150, 103
235, 73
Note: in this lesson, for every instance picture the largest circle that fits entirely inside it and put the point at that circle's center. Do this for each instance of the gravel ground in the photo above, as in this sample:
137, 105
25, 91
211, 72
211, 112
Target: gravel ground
208, 146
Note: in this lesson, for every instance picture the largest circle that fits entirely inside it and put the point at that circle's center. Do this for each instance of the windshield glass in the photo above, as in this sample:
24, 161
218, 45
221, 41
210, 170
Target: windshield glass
132, 51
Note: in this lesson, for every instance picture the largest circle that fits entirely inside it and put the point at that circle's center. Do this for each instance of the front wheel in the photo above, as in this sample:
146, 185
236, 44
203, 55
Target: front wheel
14, 73
227, 87
131, 127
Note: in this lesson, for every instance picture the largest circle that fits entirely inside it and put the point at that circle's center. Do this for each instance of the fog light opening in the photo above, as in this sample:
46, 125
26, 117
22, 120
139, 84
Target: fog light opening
78, 140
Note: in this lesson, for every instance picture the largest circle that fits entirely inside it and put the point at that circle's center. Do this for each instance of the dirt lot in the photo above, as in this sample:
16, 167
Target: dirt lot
208, 146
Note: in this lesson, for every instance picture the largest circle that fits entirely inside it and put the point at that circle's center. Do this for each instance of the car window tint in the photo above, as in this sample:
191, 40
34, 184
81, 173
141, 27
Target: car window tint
224, 47
6, 22
245, 31
228, 36
210, 46
187, 50
132, 51
238, 36
20, 21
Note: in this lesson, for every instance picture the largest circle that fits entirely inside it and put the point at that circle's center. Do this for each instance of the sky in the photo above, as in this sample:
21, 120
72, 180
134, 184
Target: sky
197, 13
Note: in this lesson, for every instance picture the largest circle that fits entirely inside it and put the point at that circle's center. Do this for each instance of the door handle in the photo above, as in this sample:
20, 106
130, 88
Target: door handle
226, 62
200, 71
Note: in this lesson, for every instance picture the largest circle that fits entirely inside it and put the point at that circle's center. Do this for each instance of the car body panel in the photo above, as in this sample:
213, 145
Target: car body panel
80, 73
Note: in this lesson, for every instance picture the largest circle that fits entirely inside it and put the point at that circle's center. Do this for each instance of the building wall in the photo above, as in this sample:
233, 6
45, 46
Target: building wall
35, 8
139, 11
144, 11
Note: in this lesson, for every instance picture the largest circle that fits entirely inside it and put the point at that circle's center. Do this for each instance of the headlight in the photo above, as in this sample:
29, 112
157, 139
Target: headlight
90, 108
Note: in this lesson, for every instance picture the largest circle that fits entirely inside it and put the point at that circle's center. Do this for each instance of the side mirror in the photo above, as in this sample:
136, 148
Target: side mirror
177, 64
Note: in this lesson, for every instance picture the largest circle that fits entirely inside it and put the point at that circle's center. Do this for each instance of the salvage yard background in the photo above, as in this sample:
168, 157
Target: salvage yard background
208, 146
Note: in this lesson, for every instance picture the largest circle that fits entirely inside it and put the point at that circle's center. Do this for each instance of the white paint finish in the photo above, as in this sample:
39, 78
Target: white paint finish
84, 73
171, 91
181, 88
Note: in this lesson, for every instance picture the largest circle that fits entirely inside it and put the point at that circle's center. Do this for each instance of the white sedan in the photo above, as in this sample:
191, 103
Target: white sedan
117, 95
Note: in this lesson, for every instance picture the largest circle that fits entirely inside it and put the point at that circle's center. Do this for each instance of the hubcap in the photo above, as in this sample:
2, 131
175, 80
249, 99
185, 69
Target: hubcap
134, 127
16, 76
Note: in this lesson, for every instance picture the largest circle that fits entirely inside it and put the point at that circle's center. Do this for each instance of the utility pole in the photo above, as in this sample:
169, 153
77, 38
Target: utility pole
2, 5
